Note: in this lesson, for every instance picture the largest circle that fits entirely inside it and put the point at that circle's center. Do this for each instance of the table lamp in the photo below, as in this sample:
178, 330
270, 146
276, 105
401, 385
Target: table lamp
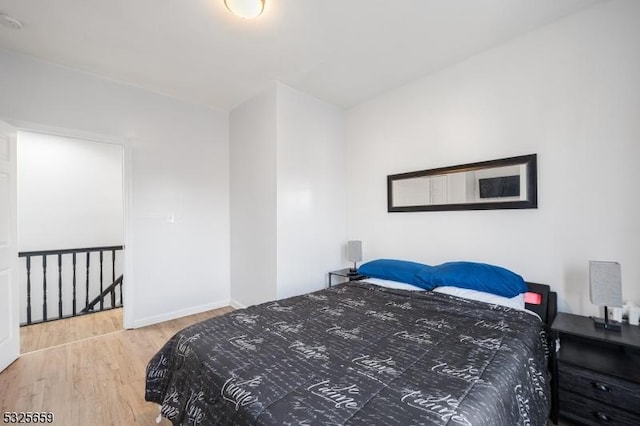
354, 254
605, 289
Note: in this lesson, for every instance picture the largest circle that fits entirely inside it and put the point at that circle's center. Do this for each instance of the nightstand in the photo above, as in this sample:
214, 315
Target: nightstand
345, 274
596, 372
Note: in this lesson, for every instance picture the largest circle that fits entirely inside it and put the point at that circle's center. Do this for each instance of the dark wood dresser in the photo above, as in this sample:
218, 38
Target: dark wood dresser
596, 372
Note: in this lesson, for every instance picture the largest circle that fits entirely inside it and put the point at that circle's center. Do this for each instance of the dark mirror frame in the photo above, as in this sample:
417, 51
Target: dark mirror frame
531, 201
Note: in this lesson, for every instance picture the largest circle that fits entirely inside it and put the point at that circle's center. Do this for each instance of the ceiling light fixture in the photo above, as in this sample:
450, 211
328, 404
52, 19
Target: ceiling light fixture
245, 8
10, 22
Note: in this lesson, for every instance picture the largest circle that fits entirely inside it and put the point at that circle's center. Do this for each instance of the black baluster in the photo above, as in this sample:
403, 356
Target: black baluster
113, 278
28, 290
86, 304
101, 285
74, 284
121, 283
59, 286
44, 287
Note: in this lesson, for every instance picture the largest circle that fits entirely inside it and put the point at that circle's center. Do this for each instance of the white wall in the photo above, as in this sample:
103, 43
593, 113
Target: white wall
253, 135
180, 167
69, 193
569, 92
287, 195
311, 191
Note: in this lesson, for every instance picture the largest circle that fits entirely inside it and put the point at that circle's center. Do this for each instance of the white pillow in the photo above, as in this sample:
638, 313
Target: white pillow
393, 284
516, 302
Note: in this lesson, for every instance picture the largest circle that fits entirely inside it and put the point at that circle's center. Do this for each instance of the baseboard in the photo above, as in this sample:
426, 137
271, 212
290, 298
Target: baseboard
236, 304
181, 313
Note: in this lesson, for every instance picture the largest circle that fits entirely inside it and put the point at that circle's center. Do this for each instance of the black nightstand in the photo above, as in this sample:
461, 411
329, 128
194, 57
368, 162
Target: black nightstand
596, 372
345, 274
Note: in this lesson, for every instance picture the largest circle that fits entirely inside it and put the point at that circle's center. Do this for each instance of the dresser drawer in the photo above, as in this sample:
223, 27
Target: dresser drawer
590, 412
610, 390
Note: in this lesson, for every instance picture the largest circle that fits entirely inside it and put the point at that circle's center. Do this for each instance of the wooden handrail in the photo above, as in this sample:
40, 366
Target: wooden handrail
67, 251
111, 288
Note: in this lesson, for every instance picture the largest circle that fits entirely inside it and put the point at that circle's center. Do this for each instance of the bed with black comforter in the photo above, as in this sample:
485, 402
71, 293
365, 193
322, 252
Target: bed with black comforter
356, 354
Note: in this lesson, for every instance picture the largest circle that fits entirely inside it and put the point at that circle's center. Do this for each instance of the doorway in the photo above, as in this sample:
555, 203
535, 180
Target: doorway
70, 238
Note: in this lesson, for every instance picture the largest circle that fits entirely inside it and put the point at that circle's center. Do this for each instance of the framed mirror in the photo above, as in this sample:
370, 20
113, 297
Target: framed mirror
507, 183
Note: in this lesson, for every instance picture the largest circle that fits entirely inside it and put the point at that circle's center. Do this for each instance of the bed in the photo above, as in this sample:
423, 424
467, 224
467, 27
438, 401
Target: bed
359, 354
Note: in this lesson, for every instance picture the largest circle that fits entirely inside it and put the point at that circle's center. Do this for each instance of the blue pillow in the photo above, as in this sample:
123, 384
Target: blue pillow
396, 270
475, 276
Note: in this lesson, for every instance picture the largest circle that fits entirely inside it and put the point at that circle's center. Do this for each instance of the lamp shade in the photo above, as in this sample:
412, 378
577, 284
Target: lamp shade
605, 283
354, 251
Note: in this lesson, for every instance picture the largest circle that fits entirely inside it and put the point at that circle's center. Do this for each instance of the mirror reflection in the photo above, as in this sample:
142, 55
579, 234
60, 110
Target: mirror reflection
504, 183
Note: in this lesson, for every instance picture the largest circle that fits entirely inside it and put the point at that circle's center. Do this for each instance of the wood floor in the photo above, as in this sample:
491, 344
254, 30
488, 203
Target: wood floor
55, 333
95, 381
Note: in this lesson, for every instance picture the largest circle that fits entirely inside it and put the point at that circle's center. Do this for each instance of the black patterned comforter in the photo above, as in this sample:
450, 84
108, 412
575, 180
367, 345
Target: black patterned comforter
356, 354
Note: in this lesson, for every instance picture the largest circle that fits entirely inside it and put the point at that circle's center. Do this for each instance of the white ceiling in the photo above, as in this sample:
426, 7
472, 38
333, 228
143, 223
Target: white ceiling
342, 51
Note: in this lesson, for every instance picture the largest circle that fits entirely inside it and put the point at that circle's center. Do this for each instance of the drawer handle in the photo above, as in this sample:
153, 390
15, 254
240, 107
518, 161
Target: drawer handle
601, 416
600, 387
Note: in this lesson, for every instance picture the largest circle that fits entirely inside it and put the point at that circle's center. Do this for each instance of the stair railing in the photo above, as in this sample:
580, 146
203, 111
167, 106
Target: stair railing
90, 302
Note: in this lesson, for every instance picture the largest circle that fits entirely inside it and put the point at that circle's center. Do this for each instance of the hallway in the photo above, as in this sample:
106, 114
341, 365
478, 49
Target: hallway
41, 336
